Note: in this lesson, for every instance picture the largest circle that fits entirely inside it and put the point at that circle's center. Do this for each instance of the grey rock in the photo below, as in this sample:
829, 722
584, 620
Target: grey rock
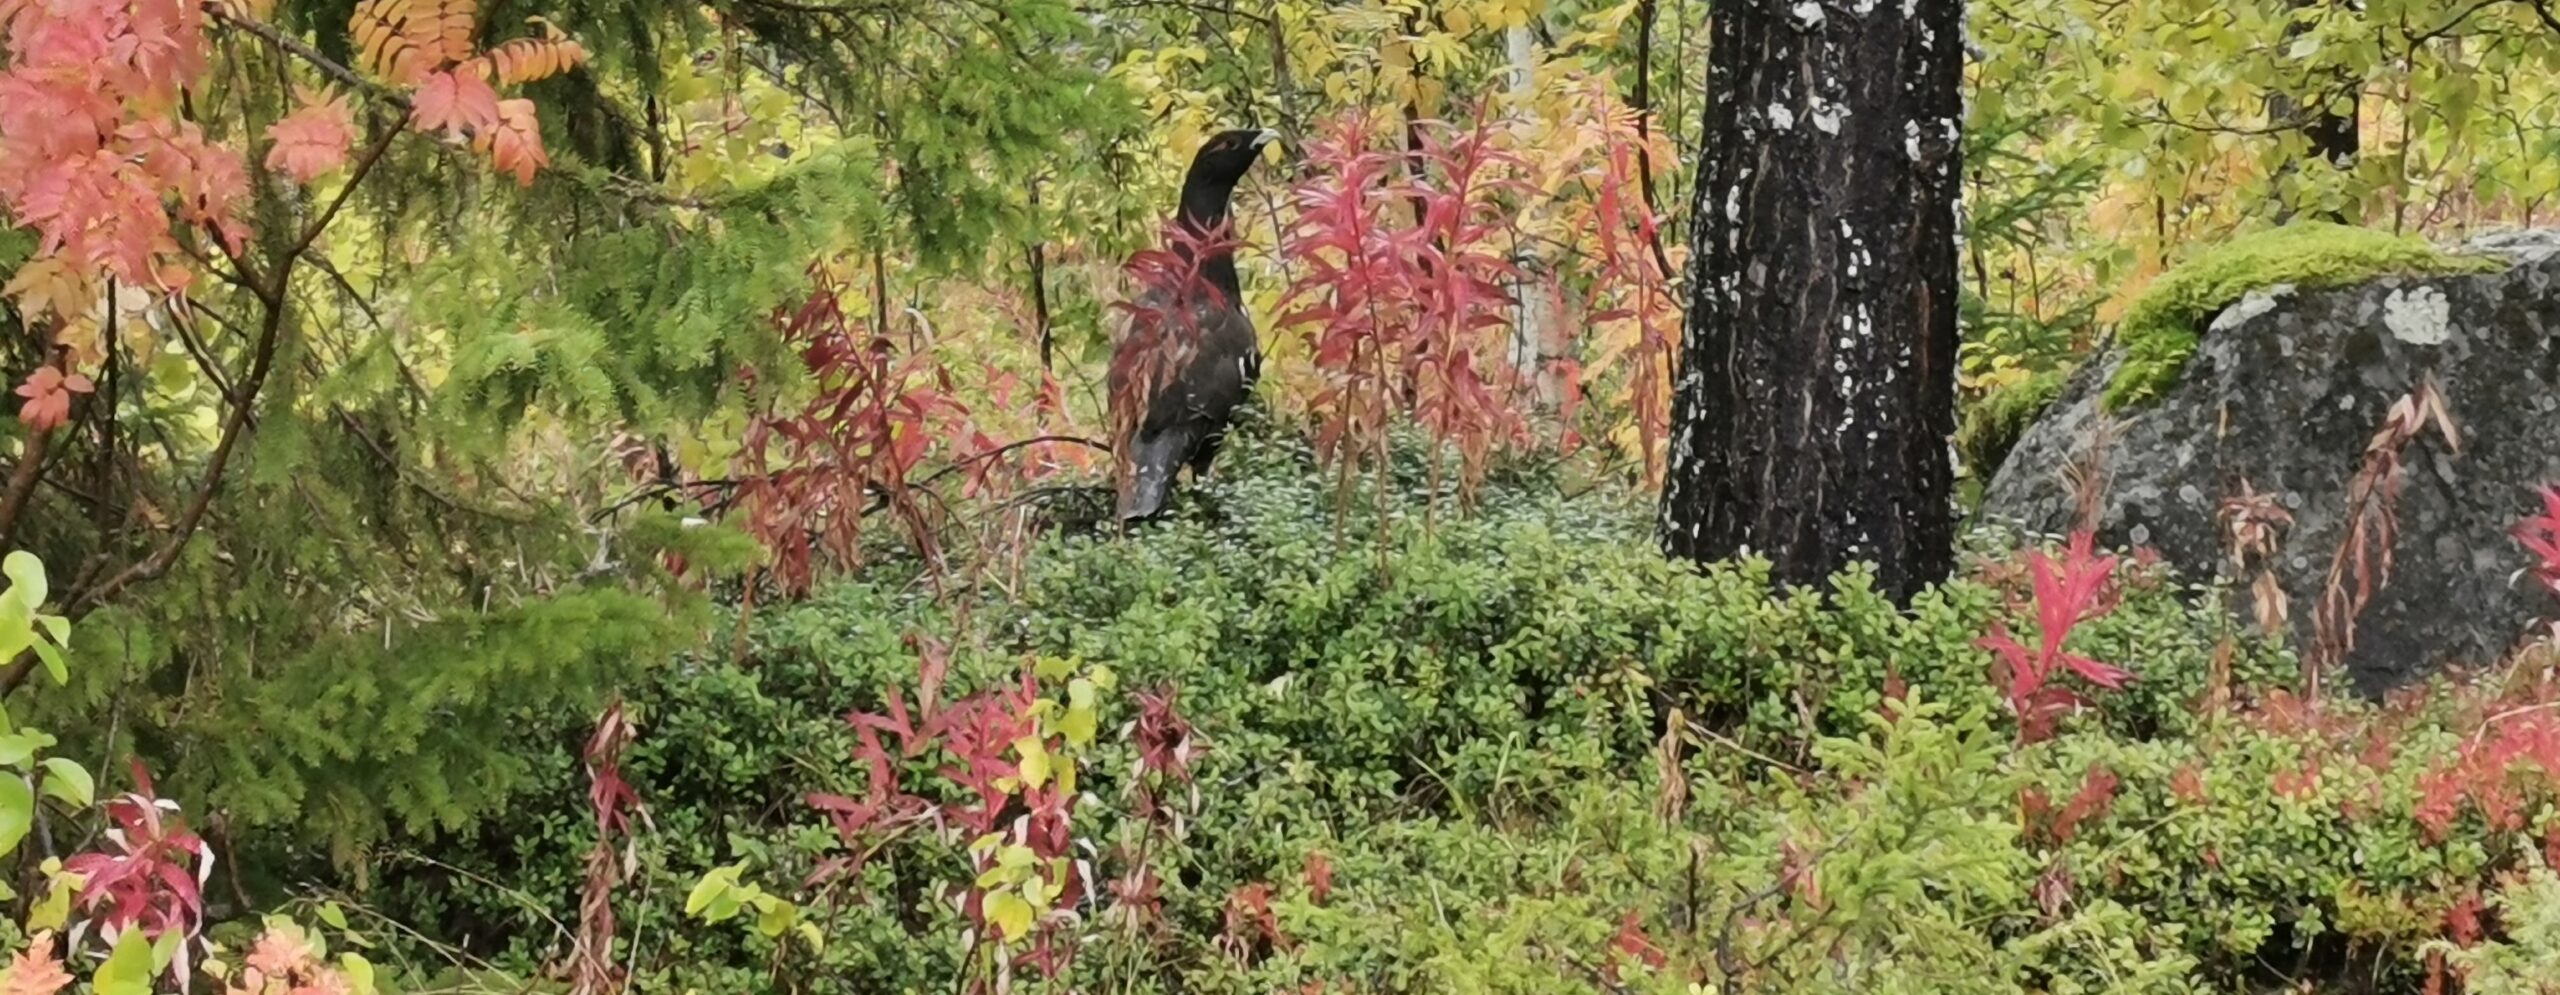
2284, 392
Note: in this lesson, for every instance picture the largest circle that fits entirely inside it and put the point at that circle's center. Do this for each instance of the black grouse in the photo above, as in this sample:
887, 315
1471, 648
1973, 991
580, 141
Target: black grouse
1185, 414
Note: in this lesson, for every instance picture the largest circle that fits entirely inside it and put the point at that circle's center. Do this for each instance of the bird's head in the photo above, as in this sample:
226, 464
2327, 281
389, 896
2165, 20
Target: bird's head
1228, 155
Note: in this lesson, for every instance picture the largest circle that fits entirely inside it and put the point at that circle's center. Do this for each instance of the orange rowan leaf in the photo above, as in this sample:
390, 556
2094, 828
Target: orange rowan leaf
457, 22
280, 953
312, 140
394, 40
526, 60
404, 41
35, 971
515, 145
48, 395
456, 103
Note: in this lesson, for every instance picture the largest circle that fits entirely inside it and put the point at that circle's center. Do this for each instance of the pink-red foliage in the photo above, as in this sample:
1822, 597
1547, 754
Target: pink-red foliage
151, 872
2067, 593
1631, 944
314, 139
970, 742
1319, 877
810, 476
2044, 822
1629, 272
92, 155
1252, 928
976, 789
2540, 536
1400, 286
2512, 759
48, 395
36, 970
613, 802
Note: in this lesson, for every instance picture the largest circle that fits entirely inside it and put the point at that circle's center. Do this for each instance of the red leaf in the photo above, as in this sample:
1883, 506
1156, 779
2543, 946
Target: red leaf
458, 104
2540, 536
48, 395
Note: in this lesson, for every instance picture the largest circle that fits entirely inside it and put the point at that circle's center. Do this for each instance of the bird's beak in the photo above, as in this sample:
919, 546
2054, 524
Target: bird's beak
1266, 143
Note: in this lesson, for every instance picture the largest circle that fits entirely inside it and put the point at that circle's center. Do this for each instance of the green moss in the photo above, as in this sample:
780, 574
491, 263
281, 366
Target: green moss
1992, 425
2159, 330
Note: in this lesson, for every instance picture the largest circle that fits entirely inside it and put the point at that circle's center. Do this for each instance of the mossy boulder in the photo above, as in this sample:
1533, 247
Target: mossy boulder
2159, 329
2284, 389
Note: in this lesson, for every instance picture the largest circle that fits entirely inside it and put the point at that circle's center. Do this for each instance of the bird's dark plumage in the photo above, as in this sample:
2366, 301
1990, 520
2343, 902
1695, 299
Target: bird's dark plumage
1185, 416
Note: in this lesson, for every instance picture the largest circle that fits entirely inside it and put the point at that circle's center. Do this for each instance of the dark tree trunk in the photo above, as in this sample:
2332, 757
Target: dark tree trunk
1817, 388
2325, 113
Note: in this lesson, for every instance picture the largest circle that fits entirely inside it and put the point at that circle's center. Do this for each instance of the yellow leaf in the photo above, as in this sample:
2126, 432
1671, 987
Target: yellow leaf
1011, 915
55, 909
50, 285
85, 340
1035, 760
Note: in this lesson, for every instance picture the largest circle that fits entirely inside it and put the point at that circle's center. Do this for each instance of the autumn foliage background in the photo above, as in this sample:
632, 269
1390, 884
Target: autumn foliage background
605, 496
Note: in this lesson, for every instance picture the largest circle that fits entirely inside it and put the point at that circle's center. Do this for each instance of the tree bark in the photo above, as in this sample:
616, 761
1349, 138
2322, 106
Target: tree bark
2333, 137
1817, 389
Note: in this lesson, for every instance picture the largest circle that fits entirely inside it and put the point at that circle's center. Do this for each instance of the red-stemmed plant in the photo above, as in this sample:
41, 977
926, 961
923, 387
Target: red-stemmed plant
2067, 593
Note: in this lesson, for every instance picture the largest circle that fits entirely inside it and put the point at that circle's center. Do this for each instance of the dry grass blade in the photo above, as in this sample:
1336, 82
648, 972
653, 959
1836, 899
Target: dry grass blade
2087, 476
2253, 526
2362, 564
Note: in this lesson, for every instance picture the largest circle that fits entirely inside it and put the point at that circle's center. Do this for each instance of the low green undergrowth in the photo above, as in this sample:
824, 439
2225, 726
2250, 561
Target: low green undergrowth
1512, 750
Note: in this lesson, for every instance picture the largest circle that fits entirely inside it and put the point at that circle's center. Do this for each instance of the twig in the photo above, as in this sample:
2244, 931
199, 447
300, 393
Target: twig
22, 482
327, 66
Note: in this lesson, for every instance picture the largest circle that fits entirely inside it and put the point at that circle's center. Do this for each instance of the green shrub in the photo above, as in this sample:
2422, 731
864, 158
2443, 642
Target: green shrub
2529, 906
1466, 720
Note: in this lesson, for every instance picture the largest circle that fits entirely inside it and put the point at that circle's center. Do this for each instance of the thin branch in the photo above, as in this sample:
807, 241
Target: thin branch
270, 333
190, 337
311, 232
2457, 21
298, 49
22, 482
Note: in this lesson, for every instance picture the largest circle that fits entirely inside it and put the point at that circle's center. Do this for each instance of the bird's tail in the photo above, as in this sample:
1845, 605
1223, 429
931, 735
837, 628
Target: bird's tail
1145, 496
1152, 465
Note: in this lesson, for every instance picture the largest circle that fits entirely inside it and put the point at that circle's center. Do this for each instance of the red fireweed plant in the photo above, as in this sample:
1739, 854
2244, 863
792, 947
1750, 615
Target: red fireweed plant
2073, 590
